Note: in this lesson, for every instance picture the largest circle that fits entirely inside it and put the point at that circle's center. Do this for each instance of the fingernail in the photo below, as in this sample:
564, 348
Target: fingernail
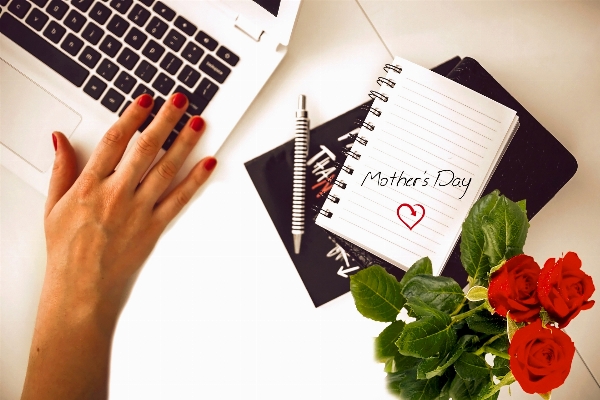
197, 123
54, 142
179, 100
145, 100
210, 164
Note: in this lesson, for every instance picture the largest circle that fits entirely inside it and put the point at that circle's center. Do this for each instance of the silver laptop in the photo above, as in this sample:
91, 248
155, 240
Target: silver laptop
74, 66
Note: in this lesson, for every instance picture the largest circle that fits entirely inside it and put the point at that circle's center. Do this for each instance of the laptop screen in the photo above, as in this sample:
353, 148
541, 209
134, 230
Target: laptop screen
271, 6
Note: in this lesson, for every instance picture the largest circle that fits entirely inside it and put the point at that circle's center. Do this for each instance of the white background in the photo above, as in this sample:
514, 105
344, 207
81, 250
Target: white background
219, 311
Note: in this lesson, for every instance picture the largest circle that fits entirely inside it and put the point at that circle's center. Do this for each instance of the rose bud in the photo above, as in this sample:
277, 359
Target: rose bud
513, 288
540, 357
564, 289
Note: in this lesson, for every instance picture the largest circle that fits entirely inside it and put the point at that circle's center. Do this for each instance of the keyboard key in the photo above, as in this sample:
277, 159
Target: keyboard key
117, 25
163, 84
197, 104
121, 5
19, 7
54, 32
206, 40
135, 38
141, 89
57, 8
174, 40
192, 52
214, 68
95, 87
89, 57
206, 89
147, 2
185, 25
125, 82
225, 54
145, 71
153, 50
139, 15
124, 108
169, 142
100, 13
72, 44
39, 3
157, 27
164, 11
92, 33
171, 63
110, 46
75, 20
158, 103
188, 76
128, 58
36, 19
107, 69
82, 5
38, 47
112, 100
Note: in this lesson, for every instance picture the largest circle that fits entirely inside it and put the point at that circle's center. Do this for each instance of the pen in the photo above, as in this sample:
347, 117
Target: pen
300, 153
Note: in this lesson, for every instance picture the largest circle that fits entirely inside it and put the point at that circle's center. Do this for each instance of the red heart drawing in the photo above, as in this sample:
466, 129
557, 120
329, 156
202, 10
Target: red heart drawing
412, 212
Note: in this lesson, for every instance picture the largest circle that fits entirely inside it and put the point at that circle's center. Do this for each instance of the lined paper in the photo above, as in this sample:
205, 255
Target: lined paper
435, 145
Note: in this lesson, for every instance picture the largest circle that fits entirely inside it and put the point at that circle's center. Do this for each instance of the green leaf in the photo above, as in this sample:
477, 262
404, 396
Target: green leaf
512, 326
409, 388
472, 241
420, 267
522, 205
461, 389
505, 229
445, 392
376, 294
477, 293
501, 367
400, 363
471, 367
501, 344
440, 292
385, 343
545, 317
485, 322
435, 366
490, 390
431, 336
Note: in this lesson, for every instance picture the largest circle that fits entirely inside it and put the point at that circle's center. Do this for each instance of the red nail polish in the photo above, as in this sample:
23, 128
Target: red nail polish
54, 142
210, 164
145, 100
197, 123
179, 100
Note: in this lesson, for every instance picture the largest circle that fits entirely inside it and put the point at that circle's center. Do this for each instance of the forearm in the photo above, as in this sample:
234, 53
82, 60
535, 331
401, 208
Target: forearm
70, 352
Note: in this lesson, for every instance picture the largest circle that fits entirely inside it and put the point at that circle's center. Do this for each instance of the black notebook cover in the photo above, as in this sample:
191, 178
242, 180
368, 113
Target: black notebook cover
323, 266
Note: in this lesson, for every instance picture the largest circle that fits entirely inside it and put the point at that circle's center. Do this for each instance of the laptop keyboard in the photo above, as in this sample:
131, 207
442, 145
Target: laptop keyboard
116, 50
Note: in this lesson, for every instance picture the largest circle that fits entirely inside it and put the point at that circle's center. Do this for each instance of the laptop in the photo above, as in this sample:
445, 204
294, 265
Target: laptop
74, 66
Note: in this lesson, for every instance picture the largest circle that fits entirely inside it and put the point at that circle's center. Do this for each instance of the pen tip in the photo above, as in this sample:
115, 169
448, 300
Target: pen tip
297, 241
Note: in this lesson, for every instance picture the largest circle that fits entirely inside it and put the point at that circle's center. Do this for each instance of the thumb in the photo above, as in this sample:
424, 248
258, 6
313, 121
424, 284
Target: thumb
64, 171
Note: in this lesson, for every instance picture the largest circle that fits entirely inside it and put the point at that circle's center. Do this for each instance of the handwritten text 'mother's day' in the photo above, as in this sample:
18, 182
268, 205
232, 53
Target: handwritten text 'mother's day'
444, 177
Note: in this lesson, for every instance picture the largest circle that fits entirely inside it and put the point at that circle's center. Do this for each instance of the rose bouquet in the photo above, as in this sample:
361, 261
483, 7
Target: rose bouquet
506, 327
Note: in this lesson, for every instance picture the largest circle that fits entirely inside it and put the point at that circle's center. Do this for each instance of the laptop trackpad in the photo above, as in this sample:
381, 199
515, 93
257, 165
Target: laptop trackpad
28, 115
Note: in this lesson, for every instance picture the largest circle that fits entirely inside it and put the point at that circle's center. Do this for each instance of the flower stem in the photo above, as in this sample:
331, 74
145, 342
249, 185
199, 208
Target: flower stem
497, 353
466, 314
460, 306
491, 340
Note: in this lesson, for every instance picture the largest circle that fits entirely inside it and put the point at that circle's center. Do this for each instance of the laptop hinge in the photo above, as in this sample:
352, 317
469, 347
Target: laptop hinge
249, 28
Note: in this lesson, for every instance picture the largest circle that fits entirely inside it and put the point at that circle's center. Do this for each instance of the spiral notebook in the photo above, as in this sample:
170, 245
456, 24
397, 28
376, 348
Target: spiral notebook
421, 159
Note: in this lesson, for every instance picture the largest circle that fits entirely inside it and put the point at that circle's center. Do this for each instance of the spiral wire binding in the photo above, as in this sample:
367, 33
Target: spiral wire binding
299, 185
367, 125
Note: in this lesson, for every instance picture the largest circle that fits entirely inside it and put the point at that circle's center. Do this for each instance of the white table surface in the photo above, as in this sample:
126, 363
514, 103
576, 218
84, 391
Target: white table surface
219, 311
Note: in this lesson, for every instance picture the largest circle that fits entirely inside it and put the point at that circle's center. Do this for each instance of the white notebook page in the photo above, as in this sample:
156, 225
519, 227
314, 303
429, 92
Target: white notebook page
432, 150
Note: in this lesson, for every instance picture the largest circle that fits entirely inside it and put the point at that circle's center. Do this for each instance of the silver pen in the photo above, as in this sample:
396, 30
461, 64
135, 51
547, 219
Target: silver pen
300, 154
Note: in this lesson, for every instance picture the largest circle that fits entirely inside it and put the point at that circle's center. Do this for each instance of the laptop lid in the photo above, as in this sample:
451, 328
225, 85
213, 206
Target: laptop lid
276, 17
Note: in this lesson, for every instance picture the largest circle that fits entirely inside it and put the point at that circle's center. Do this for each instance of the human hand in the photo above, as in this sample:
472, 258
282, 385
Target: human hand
101, 226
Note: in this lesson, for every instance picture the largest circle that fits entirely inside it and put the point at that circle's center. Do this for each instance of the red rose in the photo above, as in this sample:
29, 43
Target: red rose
564, 289
540, 357
513, 288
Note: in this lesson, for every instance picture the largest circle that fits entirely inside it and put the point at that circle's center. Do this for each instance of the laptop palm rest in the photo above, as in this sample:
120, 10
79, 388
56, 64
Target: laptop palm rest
28, 115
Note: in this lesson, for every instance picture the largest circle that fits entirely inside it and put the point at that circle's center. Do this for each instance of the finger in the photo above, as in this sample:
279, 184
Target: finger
163, 172
136, 162
64, 171
110, 150
182, 194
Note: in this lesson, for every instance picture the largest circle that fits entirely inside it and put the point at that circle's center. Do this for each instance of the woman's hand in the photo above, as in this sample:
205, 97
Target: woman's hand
100, 228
